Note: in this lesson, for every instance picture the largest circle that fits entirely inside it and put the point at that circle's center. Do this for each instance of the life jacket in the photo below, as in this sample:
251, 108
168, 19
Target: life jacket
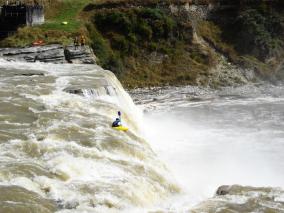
116, 123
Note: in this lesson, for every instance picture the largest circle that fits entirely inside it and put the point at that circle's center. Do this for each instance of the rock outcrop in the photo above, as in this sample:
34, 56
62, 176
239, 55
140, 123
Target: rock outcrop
236, 198
223, 190
80, 55
158, 43
54, 53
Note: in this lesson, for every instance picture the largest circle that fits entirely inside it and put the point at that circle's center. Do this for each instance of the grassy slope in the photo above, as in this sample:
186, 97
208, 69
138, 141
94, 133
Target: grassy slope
53, 31
66, 10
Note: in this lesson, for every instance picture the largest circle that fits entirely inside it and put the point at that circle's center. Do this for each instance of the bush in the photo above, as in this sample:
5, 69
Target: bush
107, 58
149, 13
258, 33
116, 21
124, 33
119, 42
144, 31
136, 25
169, 25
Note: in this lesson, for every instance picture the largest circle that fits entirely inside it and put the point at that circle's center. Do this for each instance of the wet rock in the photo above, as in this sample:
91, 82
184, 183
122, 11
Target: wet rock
95, 92
67, 205
31, 74
236, 198
74, 91
195, 99
71, 205
223, 190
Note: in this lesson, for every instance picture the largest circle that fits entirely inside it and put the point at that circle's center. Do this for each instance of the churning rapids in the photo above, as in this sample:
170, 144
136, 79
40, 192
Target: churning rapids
58, 152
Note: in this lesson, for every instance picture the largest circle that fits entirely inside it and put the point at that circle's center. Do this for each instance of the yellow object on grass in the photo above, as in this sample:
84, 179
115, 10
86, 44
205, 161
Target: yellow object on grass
64, 22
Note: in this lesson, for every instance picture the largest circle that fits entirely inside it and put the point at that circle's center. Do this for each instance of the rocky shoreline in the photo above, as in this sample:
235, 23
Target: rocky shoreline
54, 53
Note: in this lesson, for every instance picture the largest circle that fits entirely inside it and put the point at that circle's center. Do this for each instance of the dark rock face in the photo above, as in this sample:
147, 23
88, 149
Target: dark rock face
79, 55
95, 92
74, 91
50, 54
223, 190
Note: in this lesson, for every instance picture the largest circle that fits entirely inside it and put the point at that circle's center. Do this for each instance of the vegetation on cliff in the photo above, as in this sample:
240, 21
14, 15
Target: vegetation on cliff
147, 46
157, 42
251, 35
132, 35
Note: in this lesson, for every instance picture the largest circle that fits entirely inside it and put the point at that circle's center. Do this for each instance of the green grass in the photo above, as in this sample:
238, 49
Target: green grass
53, 31
67, 10
27, 35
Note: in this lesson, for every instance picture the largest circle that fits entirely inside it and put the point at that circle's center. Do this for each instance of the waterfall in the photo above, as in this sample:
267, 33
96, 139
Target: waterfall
58, 147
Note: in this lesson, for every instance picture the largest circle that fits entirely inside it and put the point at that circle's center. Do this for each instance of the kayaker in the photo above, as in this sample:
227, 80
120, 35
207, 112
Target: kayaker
116, 123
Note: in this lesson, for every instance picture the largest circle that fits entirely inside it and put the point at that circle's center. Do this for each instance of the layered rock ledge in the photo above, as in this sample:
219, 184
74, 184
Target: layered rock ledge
54, 53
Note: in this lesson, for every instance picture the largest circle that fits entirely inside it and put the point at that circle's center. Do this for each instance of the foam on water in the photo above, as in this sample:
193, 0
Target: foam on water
218, 140
56, 141
71, 153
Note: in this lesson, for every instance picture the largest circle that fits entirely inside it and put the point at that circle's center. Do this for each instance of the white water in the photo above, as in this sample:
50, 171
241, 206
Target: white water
218, 141
60, 145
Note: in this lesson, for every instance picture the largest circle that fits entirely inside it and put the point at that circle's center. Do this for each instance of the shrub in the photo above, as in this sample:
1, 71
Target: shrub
149, 13
144, 31
257, 32
134, 27
119, 42
107, 58
116, 21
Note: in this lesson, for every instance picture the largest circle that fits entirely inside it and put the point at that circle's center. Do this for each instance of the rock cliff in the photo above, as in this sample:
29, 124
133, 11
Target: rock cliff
169, 42
208, 43
50, 54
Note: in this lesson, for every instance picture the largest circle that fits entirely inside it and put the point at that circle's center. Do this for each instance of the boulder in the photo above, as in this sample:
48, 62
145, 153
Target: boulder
80, 55
223, 190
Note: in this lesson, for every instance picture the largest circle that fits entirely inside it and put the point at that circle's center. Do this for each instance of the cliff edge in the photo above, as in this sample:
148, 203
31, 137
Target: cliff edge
178, 42
55, 53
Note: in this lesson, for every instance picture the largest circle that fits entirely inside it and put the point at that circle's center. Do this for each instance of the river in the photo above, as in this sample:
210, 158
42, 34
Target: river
210, 138
58, 152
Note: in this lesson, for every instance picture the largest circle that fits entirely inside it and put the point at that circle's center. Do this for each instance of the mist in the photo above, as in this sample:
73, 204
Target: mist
224, 141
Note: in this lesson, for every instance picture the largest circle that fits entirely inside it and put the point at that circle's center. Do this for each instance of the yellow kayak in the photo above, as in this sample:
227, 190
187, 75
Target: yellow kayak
121, 128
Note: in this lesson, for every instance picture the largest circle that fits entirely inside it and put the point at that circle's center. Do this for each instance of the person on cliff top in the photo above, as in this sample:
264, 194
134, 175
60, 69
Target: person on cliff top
76, 42
82, 40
